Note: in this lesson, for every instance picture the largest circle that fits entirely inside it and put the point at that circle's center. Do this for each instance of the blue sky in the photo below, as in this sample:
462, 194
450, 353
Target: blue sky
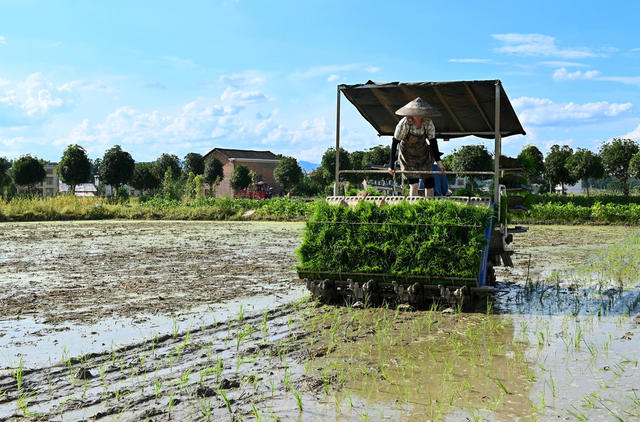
189, 76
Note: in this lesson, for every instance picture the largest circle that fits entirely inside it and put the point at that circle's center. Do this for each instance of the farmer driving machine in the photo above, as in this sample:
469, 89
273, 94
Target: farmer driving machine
396, 249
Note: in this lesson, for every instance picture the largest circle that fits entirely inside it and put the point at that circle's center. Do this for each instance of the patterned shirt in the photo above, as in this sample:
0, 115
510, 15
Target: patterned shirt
406, 127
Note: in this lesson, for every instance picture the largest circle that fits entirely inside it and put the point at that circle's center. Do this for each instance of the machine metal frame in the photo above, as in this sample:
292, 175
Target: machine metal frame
465, 113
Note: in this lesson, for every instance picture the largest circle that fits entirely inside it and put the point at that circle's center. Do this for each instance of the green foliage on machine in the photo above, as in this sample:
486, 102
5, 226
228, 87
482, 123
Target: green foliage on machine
428, 238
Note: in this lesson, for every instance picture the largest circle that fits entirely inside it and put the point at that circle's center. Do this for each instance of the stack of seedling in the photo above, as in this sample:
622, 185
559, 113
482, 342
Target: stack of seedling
434, 238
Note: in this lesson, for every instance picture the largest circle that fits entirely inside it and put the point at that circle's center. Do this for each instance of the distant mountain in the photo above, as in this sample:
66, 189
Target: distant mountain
307, 166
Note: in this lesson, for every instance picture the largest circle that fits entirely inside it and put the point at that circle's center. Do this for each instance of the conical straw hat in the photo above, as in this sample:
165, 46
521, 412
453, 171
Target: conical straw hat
418, 107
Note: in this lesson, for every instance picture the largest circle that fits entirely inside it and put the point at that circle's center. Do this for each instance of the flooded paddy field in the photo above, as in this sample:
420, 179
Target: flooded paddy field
202, 321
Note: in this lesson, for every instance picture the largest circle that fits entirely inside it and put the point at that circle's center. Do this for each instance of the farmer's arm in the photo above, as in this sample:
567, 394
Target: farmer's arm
433, 143
392, 159
401, 132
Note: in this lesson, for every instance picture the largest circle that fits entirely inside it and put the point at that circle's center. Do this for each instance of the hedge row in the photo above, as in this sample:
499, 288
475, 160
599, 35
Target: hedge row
599, 213
579, 200
437, 238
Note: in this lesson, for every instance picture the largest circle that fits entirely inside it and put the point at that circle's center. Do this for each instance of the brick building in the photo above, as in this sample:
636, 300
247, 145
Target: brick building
261, 162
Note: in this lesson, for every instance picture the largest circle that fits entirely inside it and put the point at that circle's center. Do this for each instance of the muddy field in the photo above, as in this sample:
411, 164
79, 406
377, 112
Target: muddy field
204, 321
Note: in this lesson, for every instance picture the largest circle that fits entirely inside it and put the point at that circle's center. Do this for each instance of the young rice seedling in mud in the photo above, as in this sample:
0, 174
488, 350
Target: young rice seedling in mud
184, 380
18, 375
265, 330
255, 412
158, 386
223, 394
206, 409
219, 368
295, 393
240, 317
170, 404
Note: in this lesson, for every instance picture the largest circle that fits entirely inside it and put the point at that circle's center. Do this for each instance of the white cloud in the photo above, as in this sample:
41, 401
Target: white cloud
82, 85
628, 80
243, 79
544, 112
197, 120
563, 75
34, 97
333, 77
178, 62
563, 64
37, 98
3, 40
155, 85
244, 97
470, 60
322, 71
634, 134
11, 141
539, 45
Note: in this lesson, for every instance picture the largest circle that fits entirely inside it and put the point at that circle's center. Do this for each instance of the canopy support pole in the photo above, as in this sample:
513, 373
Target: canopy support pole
498, 147
336, 186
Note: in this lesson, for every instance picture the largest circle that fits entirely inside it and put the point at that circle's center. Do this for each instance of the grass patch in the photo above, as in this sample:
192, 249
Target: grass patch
569, 213
66, 207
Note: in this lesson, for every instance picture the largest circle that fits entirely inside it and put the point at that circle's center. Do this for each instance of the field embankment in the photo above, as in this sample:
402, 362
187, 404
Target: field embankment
570, 209
541, 209
74, 208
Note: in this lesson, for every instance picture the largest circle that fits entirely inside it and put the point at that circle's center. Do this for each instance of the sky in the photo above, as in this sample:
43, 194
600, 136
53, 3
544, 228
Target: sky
177, 77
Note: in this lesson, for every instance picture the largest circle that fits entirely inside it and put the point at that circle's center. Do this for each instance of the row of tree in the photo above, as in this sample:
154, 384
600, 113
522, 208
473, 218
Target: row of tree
619, 158
168, 174
116, 168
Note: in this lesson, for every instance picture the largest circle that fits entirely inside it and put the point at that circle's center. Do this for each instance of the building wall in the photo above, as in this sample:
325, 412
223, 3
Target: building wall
263, 168
51, 183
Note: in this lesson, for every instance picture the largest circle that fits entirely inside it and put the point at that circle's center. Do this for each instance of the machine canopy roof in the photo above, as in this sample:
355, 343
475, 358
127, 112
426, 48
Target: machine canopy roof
466, 107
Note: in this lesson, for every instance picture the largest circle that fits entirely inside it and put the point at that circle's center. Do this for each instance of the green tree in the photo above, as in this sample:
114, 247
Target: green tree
616, 156
7, 185
584, 164
555, 169
240, 177
95, 167
378, 155
213, 174
470, 158
116, 167
307, 186
28, 171
634, 165
193, 162
5, 177
329, 164
144, 177
320, 177
190, 187
358, 160
199, 183
172, 187
168, 161
532, 160
74, 167
288, 173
